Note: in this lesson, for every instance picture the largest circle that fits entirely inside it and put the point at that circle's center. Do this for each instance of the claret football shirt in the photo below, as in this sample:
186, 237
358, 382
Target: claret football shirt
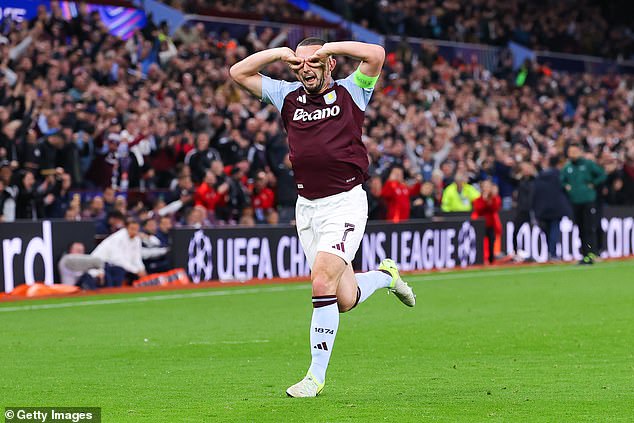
324, 133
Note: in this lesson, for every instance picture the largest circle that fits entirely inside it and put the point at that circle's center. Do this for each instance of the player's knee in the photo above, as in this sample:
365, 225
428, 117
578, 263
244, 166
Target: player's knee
323, 283
345, 306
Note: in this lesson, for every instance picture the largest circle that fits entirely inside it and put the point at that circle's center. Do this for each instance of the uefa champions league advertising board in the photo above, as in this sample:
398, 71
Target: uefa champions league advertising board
240, 254
30, 251
616, 234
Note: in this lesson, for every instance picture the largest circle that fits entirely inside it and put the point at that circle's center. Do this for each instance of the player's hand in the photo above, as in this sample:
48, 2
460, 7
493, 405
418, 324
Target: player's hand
318, 59
293, 62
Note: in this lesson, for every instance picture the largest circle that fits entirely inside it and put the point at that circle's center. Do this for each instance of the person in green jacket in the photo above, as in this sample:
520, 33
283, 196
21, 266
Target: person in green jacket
459, 195
580, 178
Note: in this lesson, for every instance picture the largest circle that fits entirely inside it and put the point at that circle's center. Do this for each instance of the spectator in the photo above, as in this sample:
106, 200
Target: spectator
113, 113
550, 204
199, 160
29, 204
96, 209
163, 233
488, 206
207, 196
572, 27
4, 196
525, 193
114, 221
121, 253
377, 209
61, 197
153, 250
8, 193
247, 218
627, 185
109, 196
396, 194
285, 190
424, 204
237, 196
580, 177
197, 217
459, 195
262, 199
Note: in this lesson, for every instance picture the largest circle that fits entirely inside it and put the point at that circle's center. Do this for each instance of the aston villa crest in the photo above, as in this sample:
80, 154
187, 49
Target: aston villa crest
330, 97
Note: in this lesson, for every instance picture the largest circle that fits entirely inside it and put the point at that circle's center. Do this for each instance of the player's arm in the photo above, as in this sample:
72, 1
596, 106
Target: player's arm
371, 56
246, 72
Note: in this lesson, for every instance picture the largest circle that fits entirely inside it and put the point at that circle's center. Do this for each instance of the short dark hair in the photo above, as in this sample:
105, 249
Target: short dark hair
116, 214
131, 221
574, 144
311, 41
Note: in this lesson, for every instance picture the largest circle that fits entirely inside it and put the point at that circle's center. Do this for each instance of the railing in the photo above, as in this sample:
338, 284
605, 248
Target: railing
488, 56
238, 28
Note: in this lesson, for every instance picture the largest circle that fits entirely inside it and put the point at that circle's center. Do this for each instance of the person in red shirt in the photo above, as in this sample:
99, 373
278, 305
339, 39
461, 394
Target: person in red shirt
207, 195
488, 206
263, 198
396, 194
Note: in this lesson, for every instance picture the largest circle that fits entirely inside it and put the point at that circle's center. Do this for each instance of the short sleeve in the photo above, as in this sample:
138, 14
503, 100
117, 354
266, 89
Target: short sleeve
361, 96
274, 91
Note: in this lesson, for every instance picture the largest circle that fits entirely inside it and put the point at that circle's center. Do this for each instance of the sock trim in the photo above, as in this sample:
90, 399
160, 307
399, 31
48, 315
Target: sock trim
324, 300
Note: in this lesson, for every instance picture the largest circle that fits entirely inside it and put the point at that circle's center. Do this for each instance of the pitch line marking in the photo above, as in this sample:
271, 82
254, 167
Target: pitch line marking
450, 274
248, 341
299, 286
212, 293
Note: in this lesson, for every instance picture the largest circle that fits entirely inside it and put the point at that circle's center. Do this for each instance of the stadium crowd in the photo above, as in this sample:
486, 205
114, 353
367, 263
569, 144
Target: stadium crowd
94, 127
272, 10
579, 27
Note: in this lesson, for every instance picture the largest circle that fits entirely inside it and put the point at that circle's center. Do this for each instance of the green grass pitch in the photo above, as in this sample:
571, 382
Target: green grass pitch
544, 344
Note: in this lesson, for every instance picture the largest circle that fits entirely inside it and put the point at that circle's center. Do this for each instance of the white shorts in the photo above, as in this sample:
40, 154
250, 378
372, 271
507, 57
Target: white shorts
334, 224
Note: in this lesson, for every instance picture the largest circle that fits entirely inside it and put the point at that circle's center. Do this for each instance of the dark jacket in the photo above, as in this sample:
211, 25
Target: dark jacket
200, 162
525, 190
628, 184
286, 191
583, 176
549, 199
28, 204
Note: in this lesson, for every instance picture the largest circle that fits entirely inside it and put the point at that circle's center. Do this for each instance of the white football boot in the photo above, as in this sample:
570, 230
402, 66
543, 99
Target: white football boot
398, 287
305, 388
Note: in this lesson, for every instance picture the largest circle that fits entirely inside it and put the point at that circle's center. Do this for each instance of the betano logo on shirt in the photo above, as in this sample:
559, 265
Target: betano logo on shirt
303, 115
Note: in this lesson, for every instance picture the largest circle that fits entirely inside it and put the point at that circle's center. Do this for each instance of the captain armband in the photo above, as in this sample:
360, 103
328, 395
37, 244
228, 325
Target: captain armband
364, 81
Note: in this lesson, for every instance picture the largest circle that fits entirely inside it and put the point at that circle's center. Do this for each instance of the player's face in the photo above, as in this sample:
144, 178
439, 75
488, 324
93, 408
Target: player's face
314, 78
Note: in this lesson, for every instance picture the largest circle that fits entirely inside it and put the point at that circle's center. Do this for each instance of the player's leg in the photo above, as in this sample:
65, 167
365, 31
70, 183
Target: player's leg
356, 288
326, 271
325, 275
